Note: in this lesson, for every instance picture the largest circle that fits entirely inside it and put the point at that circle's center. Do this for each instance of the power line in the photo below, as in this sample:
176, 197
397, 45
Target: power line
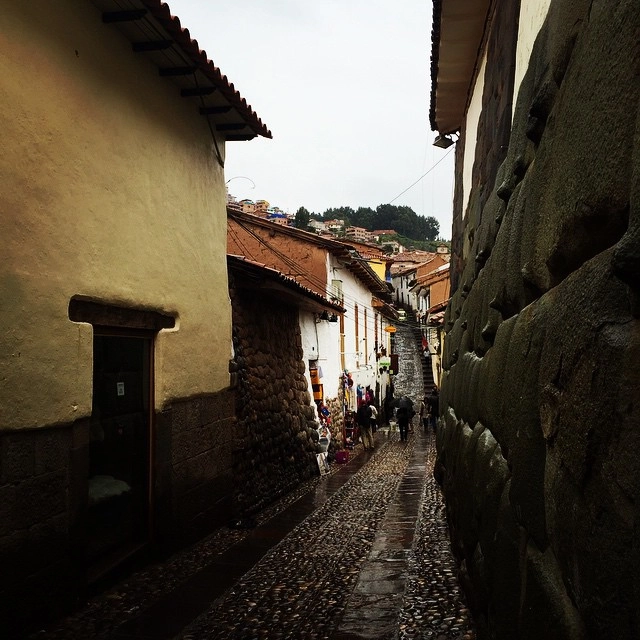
348, 302
422, 176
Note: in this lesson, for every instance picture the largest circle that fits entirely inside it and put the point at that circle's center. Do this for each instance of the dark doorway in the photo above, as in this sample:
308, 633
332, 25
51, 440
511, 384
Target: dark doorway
119, 464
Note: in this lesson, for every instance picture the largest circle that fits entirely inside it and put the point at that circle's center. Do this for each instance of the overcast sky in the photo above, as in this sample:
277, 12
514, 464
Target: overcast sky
344, 87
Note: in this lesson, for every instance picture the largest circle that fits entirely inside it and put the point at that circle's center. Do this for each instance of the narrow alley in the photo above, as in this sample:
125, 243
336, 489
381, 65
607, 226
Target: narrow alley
362, 552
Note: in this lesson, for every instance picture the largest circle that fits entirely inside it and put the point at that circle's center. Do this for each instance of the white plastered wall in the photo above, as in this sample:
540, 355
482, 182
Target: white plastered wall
359, 355
110, 190
532, 17
471, 133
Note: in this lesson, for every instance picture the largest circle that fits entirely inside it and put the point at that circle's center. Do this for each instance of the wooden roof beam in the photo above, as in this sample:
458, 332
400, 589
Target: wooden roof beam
239, 138
214, 111
190, 92
231, 126
151, 45
109, 17
177, 71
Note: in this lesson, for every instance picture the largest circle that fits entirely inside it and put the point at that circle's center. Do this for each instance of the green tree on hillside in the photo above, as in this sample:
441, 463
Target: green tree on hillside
402, 219
302, 218
339, 213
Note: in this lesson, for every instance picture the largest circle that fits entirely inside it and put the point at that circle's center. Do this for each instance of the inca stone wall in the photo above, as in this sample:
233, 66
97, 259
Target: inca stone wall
540, 428
276, 430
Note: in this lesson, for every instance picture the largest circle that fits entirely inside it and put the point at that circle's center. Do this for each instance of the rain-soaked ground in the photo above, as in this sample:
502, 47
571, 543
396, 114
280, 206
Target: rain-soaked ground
360, 553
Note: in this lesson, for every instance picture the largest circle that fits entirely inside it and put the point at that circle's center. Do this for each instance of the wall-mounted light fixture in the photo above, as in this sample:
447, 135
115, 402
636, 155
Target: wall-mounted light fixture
443, 141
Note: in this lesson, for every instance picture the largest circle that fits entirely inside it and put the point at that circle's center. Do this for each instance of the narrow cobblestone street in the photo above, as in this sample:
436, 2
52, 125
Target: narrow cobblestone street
360, 553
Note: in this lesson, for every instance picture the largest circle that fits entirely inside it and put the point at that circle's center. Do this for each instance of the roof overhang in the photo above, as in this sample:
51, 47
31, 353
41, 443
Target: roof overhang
384, 308
157, 35
258, 277
457, 34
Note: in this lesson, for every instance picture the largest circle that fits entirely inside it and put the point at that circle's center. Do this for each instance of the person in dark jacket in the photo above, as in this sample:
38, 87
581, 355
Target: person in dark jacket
433, 407
364, 422
404, 414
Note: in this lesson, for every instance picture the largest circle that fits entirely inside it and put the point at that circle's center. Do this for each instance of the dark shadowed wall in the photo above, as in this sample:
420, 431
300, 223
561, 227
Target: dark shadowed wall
540, 429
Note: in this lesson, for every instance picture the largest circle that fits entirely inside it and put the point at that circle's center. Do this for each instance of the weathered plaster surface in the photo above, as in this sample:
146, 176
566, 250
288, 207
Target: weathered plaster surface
471, 131
111, 191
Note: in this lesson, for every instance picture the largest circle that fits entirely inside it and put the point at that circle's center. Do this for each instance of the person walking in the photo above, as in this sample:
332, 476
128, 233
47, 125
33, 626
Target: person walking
404, 415
433, 403
373, 417
364, 422
424, 413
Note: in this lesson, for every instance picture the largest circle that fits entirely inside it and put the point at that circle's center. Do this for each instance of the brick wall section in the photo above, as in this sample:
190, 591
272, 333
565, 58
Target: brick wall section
277, 434
540, 427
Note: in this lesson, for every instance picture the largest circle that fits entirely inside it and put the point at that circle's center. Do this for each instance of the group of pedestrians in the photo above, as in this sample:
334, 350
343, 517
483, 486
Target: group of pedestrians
367, 416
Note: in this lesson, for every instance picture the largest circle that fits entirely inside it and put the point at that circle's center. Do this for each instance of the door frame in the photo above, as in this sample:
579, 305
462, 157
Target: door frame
95, 573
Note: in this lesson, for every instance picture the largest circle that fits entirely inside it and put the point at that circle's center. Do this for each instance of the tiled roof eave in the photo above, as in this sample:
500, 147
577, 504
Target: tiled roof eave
257, 268
357, 266
157, 22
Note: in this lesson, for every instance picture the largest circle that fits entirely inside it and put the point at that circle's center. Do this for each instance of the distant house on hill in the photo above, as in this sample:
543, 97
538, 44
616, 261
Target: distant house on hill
246, 205
359, 234
383, 232
335, 226
318, 225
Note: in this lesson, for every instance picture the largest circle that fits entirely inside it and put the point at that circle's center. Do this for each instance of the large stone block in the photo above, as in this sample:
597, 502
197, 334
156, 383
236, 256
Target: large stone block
558, 375
544, 590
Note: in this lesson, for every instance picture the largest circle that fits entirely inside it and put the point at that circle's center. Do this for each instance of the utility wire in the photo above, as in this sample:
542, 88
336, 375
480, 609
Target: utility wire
292, 265
297, 269
422, 176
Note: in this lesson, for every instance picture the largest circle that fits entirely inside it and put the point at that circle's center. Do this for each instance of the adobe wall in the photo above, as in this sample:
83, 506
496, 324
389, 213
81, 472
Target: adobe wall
110, 193
274, 248
540, 426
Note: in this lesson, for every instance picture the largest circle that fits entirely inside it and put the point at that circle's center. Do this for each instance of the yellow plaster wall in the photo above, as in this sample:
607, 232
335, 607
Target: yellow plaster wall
378, 267
110, 189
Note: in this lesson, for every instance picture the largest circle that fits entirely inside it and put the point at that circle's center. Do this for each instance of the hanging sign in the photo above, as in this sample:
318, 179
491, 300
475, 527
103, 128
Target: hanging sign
390, 329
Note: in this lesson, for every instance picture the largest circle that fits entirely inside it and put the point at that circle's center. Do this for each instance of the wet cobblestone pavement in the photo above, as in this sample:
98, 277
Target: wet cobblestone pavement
371, 559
